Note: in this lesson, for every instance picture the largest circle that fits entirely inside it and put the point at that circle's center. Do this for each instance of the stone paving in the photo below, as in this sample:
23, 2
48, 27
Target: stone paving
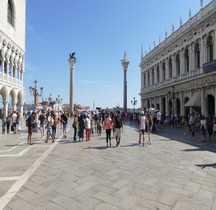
171, 173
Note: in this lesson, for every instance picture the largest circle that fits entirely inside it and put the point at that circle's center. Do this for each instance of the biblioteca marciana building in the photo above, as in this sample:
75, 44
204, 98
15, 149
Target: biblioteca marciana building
12, 51
179, 75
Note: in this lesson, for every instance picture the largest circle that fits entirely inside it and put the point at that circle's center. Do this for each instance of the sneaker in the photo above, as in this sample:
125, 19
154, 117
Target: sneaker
110, 144
139, 142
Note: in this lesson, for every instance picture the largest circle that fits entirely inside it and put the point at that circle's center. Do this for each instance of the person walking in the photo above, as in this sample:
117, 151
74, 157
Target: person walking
203, 128
8, 122
118, 126
142, 124
81, 127
149, 124
31, 124
42, 123
87, 127
4, 121
48, 126
14, 121
54, 125
108, 127
64, 120
74, 125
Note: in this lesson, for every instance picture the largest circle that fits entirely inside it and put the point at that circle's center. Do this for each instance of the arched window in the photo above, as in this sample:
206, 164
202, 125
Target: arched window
170, 68
197, 56
209, 49
10, 13
177, 65
186, 60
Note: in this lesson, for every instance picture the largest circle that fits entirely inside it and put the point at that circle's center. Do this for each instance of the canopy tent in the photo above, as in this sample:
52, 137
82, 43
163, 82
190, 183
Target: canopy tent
195, 100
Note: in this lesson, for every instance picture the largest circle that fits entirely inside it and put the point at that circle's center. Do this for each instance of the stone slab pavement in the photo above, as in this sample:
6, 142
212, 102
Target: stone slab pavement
172, 173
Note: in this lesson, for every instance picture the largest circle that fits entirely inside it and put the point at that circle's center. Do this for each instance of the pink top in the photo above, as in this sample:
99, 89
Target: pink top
108, 123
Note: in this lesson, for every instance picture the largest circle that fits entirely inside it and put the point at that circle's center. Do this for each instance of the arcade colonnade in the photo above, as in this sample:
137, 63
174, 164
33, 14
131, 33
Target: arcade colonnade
11, 75
179, 75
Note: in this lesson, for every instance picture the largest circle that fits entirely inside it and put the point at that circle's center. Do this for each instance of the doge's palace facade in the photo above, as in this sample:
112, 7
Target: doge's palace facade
179, 75
12, 51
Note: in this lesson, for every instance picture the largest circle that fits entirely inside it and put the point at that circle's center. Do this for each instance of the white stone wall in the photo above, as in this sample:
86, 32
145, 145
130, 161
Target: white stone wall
16, 33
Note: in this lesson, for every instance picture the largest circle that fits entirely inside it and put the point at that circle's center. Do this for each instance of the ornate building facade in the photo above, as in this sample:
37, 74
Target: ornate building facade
12, 51
179, 75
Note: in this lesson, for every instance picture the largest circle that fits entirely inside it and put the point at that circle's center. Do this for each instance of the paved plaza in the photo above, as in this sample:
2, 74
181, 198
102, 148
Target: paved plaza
171, 173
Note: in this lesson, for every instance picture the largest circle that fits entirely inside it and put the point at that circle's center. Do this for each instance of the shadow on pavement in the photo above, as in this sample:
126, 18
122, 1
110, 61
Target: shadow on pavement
207, 165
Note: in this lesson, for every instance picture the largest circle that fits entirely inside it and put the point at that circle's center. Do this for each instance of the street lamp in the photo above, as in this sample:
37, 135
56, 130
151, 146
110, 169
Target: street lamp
34, 92
134, 102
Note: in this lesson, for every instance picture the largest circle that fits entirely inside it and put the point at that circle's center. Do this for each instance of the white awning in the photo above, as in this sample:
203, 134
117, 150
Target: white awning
195, 100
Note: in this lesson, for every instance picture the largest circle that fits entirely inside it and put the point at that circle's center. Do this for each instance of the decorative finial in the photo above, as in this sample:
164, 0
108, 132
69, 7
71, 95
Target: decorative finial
173, 28
201, 4
141, 51
165, 34
125, 54
190, 13
180, 22
159, 39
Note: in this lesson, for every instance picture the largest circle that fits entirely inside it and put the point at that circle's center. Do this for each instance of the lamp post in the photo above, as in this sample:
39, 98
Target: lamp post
125, 64
34, 92
134, 102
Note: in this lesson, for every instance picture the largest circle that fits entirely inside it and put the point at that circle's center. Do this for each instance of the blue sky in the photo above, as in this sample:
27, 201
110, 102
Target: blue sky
99, 31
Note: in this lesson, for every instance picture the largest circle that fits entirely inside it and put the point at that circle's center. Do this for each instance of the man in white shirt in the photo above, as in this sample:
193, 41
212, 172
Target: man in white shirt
14, 121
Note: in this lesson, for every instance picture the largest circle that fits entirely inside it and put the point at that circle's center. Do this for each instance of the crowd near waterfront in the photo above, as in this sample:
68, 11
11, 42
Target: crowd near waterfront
86, 123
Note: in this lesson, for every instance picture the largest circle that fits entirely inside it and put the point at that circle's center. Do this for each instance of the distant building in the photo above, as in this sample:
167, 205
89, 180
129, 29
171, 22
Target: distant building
12, 52
179, 75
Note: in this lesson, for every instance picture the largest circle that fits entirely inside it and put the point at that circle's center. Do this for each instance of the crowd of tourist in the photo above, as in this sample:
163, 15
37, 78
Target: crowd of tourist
87, 123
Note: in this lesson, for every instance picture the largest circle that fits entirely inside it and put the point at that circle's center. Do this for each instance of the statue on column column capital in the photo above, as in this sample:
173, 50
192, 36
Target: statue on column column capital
72, 56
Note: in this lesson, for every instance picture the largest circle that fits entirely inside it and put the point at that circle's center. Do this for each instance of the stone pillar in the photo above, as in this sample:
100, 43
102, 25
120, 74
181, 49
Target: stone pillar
214, 45
182, 62
150, 72
204, 49
203, 102
72, 62
155, 74
167, 104
125, 64
167, 68
160, 71
142, 81
174, 65
192, 58
5, 103
215, 101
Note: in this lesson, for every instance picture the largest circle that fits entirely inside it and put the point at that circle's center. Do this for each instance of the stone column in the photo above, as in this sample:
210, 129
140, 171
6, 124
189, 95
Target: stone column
182, 62
167, 68
174, 65
215, 101
203, 102
155, 74
160, 71
150, 71
142, 81
72, 62
125, 64
5, 103
192, 58
214, 45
